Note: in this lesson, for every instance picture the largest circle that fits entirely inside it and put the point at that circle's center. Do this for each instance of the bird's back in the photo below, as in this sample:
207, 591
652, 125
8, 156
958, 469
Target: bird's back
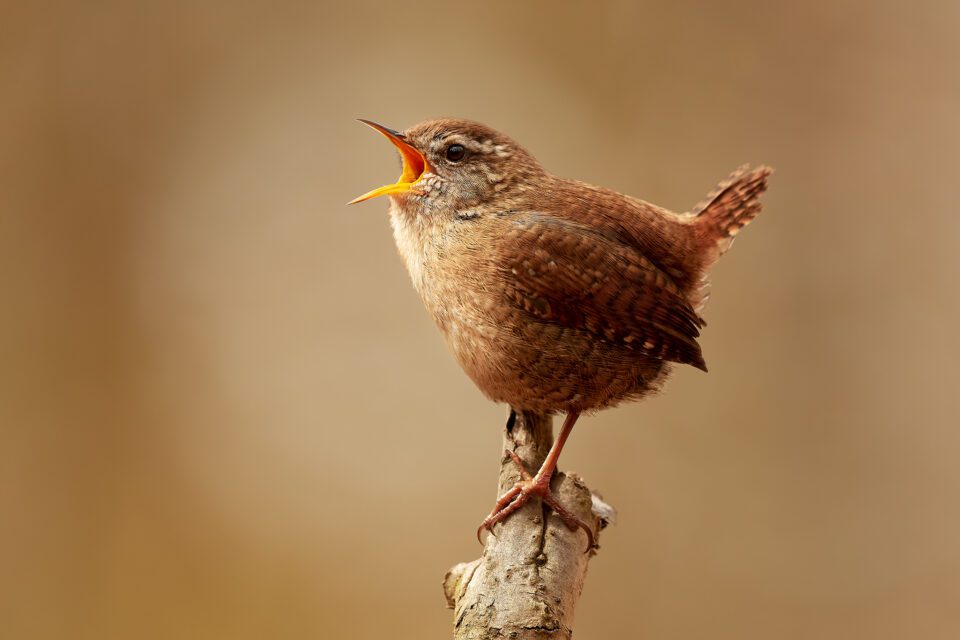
596, 292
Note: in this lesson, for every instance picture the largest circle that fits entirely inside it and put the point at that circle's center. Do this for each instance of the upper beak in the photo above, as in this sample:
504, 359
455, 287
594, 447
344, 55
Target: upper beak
414, 164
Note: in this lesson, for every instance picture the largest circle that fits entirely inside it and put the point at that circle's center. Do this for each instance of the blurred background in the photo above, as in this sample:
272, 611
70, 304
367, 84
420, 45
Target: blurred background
225, 413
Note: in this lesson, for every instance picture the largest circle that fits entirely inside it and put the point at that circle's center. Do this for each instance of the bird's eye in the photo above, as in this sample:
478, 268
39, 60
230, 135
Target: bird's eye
456, 152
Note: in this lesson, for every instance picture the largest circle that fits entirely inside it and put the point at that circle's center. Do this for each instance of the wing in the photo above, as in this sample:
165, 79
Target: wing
571, 275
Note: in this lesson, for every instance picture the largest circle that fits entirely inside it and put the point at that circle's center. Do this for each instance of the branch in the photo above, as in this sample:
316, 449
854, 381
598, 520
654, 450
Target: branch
526, 585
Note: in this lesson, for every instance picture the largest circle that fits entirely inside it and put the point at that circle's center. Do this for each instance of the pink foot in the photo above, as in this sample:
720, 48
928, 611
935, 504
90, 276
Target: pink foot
521, 492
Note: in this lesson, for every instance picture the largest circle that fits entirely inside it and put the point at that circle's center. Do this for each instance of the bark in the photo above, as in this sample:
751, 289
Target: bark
527, 583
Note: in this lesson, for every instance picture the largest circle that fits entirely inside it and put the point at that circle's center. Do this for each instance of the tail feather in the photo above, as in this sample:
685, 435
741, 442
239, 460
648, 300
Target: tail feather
730, 207
719, 217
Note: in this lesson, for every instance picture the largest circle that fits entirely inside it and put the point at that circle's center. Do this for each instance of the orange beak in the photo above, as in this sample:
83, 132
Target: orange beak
414, 165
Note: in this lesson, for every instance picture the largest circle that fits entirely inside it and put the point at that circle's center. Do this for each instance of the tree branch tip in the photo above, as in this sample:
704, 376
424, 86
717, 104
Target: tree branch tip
457, 579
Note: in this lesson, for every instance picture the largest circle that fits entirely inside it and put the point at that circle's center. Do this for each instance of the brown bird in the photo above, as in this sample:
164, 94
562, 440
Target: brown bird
553, 295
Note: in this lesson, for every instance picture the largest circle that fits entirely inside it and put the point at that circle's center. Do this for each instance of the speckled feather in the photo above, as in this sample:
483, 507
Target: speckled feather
555, 295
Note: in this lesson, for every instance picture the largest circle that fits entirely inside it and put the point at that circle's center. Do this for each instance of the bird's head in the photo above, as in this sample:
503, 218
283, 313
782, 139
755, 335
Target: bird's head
452, 165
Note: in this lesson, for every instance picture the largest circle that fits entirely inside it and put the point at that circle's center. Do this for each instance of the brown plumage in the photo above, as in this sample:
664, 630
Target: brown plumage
554, 295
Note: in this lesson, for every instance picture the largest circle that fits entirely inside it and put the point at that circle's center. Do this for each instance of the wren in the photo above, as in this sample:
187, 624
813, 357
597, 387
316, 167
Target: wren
553, 295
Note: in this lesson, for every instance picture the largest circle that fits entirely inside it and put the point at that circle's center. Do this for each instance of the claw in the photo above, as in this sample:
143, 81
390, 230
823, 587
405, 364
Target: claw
502, 505
569, 519
480, 529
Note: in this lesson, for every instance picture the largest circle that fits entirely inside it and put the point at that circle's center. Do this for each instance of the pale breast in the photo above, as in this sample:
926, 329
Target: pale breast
409, 243
451, 291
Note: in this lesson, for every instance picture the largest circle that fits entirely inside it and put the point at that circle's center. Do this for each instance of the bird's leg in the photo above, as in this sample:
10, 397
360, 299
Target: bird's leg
538, 485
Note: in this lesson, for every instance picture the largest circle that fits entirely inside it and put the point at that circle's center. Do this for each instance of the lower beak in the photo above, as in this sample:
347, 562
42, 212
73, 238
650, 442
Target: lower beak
414, 165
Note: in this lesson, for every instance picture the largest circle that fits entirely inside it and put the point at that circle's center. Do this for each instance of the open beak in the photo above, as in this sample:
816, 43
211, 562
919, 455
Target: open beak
414, 165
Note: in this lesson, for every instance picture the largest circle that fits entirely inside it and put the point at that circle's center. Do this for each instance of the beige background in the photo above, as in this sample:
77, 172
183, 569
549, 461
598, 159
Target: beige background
225, 414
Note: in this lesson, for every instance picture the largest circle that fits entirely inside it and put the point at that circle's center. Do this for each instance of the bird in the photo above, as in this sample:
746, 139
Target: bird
553, 295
